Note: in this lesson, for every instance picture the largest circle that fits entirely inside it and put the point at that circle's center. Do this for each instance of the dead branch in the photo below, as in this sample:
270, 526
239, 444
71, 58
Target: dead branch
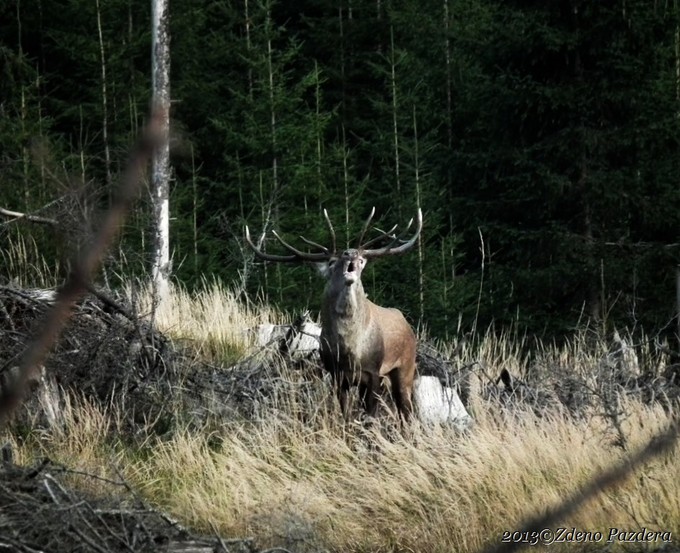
17, 216
83, 269
107, 300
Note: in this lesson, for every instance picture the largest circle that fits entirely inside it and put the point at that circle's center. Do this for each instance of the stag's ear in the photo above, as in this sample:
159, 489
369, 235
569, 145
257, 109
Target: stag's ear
325, 267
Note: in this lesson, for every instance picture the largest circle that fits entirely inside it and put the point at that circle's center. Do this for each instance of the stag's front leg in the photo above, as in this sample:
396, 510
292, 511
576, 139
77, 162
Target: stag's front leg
342, 389
368, 394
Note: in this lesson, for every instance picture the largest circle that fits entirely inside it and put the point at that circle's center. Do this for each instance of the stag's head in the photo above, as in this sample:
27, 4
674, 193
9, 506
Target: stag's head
344, 269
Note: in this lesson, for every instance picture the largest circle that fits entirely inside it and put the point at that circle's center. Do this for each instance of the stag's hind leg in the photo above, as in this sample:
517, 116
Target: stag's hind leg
401, 385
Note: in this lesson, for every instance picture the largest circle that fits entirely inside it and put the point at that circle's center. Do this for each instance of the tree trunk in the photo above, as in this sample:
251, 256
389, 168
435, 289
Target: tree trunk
105, 103
160, 179
421, 277
395, 124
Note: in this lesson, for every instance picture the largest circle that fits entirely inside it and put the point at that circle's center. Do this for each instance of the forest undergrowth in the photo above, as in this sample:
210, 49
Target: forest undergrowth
309, 482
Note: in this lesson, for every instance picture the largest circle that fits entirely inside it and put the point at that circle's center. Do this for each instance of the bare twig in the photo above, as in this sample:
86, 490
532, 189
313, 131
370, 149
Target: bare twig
16, 216
8, 544
65, 470
94, 545
83, 269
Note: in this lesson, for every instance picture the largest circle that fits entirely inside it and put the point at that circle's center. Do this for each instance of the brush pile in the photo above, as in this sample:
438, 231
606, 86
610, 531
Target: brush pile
110, 355
42, 512
105, 354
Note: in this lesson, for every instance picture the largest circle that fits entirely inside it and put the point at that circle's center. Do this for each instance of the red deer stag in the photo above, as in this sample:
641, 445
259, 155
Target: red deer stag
361, 342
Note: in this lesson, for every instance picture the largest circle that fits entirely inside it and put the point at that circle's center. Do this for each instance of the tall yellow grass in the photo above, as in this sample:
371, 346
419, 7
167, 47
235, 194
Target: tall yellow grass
213, 320
323, 485
21, 258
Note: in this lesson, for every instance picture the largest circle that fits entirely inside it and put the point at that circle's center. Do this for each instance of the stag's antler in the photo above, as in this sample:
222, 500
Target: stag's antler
329, 252
298, 256
383, 234
390, 249
366, 225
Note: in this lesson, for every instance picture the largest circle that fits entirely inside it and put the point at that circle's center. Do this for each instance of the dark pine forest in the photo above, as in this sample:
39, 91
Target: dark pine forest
541, 139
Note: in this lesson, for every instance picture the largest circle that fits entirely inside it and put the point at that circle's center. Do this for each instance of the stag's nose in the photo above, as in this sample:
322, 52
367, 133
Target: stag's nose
351, 267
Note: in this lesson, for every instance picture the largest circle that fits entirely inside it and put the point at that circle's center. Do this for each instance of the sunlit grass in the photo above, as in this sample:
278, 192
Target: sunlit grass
213, 320
316, 484
352, 490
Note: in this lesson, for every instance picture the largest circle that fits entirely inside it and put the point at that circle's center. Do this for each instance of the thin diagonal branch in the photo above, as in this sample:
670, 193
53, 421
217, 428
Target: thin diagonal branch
83, 269
609, 478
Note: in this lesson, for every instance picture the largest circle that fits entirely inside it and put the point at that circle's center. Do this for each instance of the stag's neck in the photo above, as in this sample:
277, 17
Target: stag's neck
347, 332
345, 316
350, 302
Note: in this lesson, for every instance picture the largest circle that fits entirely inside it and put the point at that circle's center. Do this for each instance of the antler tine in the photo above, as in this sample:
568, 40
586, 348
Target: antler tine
330, 227
390, 250
394, 240
315, 245
299, 254
266, 256
383, 234
366, 225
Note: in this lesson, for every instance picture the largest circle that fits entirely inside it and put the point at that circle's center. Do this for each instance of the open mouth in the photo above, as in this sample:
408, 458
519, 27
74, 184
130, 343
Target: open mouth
350, 273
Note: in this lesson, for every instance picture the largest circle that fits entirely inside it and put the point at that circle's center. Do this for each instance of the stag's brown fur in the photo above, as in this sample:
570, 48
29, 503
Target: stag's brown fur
362, 342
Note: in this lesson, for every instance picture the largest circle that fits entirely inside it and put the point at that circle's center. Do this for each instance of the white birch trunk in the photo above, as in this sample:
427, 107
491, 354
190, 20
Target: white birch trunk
105, 103
160, 176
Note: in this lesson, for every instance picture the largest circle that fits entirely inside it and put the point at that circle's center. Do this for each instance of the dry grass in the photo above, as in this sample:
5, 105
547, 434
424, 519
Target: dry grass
213, 320
319, 485
22, 259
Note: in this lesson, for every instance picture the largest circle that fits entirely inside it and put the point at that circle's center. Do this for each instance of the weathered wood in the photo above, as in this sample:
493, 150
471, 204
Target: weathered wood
42, 512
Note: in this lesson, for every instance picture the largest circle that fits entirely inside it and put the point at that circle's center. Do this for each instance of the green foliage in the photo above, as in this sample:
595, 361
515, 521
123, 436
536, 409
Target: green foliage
539, 138
570, 101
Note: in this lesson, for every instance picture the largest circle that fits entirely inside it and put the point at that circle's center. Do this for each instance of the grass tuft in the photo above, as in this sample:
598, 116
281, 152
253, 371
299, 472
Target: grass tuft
213, 320
22, 259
